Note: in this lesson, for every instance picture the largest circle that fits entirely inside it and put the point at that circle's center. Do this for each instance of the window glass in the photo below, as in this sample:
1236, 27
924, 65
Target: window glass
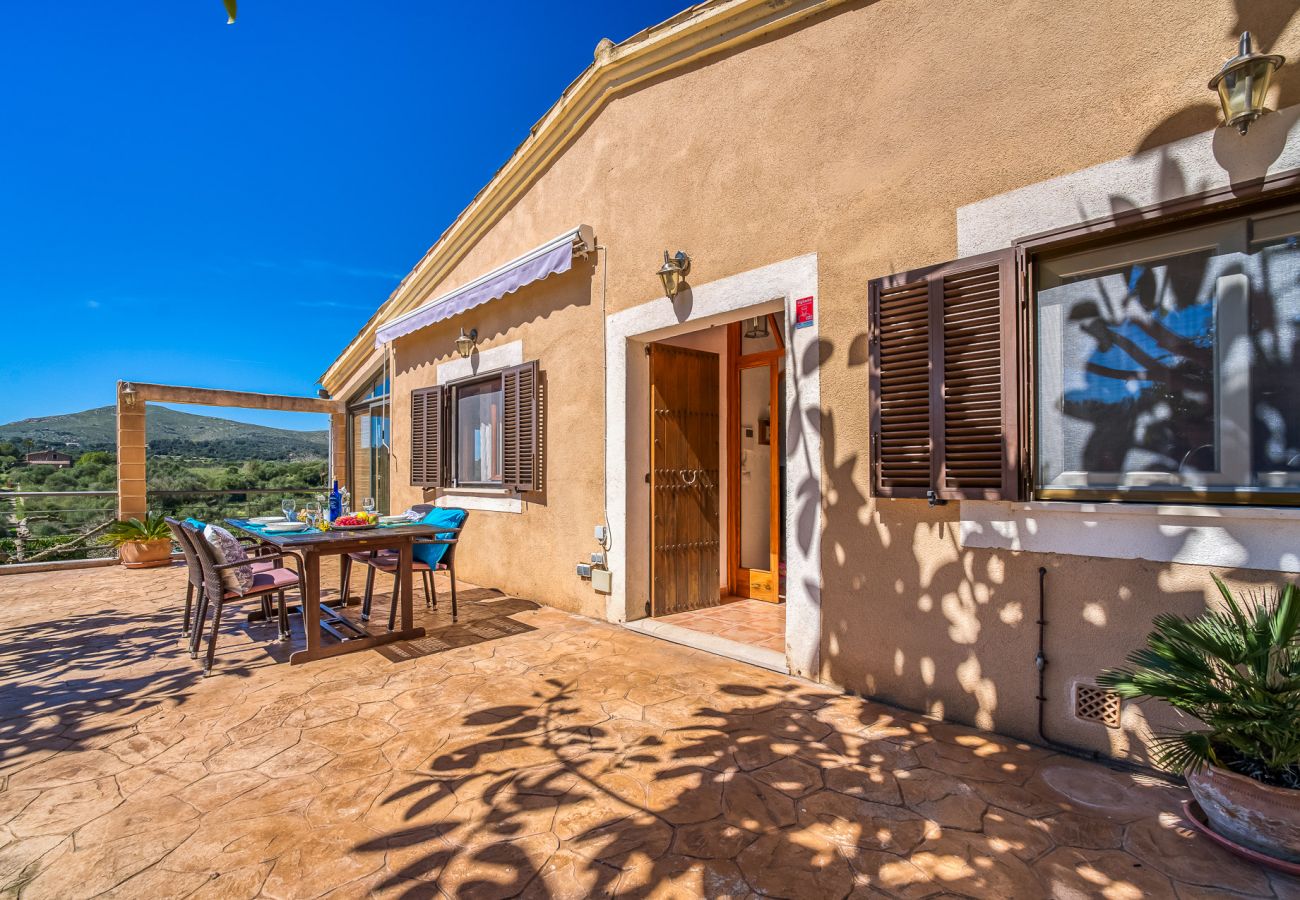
478, 432
1170, 364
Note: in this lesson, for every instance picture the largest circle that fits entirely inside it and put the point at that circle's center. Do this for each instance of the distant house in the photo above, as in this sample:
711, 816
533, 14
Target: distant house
49, 458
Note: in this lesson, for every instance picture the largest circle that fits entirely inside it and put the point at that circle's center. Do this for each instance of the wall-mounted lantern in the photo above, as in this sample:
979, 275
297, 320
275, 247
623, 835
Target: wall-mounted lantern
1242, 84
465, 343
756, 328
673, 272
129, 393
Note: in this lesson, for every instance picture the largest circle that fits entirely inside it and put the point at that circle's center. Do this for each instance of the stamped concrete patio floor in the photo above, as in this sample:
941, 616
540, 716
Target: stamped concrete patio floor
562, 758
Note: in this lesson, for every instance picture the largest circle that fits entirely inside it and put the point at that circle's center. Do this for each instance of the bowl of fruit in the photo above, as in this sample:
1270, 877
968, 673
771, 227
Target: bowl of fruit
353, 522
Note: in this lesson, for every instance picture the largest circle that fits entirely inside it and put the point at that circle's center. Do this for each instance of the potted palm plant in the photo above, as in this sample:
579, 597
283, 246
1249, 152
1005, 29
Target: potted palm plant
141, 545
1237, 670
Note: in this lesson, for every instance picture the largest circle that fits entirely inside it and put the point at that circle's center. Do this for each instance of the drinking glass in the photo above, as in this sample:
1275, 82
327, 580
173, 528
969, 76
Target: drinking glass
368, 504
289, 508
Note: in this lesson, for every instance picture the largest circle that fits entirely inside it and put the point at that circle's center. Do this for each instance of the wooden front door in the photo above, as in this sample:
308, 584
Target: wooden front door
684, 553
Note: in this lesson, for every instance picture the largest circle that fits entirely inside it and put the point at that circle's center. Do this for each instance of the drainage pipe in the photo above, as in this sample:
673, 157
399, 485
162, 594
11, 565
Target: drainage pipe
1040, 663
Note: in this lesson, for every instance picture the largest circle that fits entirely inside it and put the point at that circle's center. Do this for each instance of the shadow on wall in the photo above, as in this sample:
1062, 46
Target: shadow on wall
913, 618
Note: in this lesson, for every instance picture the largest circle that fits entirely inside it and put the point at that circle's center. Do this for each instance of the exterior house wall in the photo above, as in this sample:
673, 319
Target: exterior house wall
858, 135
530, 553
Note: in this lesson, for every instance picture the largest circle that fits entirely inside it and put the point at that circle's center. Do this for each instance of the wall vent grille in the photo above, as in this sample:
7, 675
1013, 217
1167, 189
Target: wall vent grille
1094, 704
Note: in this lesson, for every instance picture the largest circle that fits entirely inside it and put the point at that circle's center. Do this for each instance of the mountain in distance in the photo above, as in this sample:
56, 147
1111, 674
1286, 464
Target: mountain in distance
169, 432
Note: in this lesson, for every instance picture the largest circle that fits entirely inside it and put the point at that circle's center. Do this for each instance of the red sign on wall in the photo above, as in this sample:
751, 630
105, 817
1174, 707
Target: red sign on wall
803, 312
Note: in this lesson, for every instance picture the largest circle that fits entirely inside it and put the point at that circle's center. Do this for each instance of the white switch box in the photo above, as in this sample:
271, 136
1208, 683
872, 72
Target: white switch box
602, 581
600, 534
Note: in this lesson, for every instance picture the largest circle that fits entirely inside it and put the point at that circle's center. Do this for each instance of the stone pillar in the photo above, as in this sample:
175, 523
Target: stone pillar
339, 451
132, 500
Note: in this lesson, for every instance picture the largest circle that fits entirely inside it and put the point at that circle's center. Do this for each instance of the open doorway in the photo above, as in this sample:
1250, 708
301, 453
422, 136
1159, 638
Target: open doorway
701, 319
715, 468
756, 458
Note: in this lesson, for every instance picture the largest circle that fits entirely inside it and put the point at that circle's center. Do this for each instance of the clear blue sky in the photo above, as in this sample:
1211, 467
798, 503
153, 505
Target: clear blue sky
188, 202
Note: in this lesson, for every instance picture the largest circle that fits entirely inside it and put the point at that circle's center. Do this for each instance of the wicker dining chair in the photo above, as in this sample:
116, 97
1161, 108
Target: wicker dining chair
388, 563
194, 577
270, 581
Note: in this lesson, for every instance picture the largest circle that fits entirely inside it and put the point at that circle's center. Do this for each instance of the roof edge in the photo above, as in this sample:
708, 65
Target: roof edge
698, 31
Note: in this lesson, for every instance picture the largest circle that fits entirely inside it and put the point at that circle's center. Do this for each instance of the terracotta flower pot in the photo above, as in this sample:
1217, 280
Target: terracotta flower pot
1249, 812
146, 554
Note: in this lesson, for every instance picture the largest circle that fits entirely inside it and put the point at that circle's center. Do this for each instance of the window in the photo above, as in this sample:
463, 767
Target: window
477, 424
1168, 367
478, 432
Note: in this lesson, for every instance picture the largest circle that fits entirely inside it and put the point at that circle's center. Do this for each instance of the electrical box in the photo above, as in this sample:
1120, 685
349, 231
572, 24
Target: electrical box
584, 570
602, 580
598, 559
601, 533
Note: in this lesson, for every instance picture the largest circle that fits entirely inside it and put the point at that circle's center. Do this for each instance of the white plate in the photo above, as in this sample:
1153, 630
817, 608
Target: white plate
266, 520
283, 527
392, 520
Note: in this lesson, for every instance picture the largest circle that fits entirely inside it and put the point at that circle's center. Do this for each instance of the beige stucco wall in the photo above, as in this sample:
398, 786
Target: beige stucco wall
856, 135
531, 553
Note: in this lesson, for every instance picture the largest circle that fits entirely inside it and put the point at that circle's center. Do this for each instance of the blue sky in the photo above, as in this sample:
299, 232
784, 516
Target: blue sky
223, 206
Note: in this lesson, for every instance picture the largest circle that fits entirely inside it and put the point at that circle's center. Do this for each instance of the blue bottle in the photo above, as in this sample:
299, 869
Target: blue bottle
336, 502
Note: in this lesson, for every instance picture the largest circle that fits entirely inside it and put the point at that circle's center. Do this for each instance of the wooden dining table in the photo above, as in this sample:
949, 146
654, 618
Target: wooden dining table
311, 545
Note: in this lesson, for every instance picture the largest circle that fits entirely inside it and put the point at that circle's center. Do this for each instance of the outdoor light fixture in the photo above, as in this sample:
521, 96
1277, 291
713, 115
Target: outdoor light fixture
756, 328
673, 271
1242, 84
465, 343
128, 393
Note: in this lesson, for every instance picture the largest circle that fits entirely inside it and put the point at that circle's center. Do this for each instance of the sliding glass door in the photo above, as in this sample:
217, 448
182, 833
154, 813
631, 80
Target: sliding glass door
368, 444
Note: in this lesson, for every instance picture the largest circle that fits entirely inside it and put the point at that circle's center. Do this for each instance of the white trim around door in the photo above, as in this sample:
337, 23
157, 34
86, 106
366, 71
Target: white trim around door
777, 287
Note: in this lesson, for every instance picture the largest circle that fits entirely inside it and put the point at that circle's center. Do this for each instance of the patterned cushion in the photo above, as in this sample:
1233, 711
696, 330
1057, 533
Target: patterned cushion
228, 550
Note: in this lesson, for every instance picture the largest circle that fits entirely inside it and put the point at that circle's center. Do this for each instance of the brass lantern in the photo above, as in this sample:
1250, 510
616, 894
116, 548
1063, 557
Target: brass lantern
1242, 84
673, 272
465, 343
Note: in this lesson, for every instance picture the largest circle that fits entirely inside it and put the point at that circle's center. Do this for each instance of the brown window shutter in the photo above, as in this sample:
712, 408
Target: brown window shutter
900, 386
426, 437
519, 427
945, 381
979, 449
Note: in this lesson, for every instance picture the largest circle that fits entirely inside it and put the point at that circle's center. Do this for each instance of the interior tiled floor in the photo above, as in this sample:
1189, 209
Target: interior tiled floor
552, 757
753, 622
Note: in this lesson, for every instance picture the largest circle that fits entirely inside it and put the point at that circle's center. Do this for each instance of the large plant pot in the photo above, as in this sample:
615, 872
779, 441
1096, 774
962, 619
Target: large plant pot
146, 554
1249, 812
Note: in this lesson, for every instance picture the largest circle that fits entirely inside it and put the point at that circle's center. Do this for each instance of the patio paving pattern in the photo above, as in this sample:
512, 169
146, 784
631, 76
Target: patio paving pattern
753, 622
552, 757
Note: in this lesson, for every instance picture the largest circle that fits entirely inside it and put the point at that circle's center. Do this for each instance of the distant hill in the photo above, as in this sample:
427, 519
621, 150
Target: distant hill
170, 432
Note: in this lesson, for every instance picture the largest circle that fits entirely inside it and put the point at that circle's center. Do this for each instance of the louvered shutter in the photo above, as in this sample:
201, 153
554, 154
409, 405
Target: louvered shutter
519, 432
900, 386
426, 437
946, 381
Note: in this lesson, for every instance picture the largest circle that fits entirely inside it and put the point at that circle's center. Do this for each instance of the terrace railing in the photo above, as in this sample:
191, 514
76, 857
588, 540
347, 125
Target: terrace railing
213, 506
54, 526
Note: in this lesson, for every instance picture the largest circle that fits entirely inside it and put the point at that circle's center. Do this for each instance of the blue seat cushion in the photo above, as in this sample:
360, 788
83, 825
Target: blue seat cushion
195, 523
432, 554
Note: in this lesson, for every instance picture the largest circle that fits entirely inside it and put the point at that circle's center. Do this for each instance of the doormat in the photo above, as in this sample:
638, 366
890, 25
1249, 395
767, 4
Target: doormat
465, 634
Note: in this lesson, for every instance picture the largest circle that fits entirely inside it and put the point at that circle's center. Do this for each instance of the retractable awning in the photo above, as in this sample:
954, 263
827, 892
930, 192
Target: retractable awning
551, 258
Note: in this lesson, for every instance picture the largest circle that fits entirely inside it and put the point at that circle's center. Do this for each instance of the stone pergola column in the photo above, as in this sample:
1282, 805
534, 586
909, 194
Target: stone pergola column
339, 449
132, 499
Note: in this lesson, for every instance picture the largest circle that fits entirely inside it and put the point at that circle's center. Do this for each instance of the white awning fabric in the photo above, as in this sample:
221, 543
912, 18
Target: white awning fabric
551, 258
